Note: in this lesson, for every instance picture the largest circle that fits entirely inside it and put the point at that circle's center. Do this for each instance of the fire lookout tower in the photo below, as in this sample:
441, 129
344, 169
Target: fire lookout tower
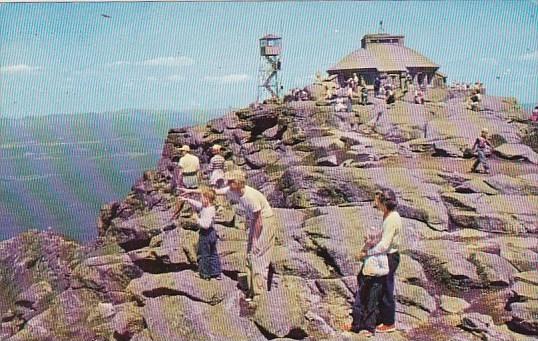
270, 63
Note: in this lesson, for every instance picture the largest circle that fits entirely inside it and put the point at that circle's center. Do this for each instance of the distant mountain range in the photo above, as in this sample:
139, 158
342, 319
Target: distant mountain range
57, 171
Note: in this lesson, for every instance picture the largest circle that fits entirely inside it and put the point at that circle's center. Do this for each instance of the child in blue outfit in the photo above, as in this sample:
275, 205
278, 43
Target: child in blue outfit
208, 259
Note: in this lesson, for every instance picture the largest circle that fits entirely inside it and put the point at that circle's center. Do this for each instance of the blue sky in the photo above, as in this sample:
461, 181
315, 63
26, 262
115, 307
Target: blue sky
67, 58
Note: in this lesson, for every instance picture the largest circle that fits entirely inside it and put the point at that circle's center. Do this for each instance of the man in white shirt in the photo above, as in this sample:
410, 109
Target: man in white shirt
260, 222
190, 167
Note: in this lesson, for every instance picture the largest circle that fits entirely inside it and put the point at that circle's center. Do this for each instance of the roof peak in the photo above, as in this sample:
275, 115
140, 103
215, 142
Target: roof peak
382, 35
381, 38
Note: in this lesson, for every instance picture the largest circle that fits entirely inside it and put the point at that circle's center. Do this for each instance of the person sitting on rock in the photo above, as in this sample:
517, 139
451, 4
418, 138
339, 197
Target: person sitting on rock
419, 97
340, 106
208, 259
475, 100
303, 95
370, 285
479, 147
216, 167
190, 167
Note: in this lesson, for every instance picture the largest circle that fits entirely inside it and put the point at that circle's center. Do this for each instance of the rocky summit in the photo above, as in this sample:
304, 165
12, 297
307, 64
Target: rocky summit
470, 241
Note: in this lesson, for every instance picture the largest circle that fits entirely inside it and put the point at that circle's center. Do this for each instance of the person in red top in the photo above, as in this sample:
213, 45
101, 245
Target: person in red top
479, 147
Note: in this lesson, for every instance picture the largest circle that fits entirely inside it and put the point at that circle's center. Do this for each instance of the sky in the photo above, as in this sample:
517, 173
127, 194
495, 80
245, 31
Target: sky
65, 58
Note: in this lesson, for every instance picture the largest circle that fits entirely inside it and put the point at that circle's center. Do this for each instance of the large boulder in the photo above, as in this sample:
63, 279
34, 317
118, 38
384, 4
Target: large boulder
453, 305
520, 256
33, 300
279, 312
514, 151
494, 270
414, 295
181, 319
136, 232
262, 158
483, 326
127, 321
109, 274
525, 317
493, 213
186, 283
513, 186
72, 315
304, 264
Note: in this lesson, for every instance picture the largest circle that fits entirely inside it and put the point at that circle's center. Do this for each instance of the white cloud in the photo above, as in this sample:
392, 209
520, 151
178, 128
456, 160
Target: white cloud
175, 78
532, 56
19, 68
161, 61
489, 60
226, 79
171, 78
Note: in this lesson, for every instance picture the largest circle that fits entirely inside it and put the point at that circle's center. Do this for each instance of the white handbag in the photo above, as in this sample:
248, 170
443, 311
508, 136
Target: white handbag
377, 265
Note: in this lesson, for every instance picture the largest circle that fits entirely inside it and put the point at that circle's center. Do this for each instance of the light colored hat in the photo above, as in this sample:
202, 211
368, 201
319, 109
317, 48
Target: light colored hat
485, 130
216, 147
235, 175
185, 148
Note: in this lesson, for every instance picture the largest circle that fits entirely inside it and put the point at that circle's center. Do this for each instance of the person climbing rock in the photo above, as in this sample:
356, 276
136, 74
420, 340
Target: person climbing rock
480, 147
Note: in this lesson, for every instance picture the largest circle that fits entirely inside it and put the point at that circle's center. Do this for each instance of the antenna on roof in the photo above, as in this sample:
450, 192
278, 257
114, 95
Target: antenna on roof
380, 30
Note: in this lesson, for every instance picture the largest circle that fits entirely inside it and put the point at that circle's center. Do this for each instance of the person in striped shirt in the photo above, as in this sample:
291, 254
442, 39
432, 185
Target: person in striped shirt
216, 167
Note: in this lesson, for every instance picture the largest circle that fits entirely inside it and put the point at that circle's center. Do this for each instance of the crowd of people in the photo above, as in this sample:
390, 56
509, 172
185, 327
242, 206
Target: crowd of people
342, 96
300, 94
373, 310
463, 86
374, 307
232, 186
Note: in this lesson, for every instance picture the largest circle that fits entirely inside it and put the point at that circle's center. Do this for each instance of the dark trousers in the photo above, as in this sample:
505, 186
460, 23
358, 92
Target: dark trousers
208, 258
365, 308
387, 304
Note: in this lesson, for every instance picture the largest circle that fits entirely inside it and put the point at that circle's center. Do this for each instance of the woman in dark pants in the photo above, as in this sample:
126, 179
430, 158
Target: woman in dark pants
370, 285
386, 202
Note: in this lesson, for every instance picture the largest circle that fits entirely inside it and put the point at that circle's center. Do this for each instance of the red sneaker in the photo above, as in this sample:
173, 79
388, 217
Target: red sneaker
385, 328
346, 327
